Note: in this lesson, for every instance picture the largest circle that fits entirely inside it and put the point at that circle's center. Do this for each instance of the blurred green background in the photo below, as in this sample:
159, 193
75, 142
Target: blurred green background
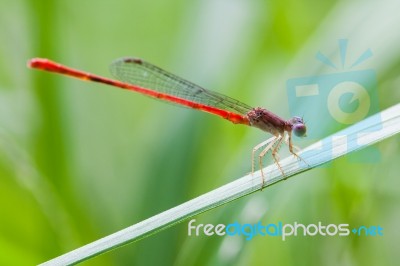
79, 161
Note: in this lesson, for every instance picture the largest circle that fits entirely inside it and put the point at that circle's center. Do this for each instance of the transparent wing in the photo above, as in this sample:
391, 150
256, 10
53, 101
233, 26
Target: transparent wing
146, 75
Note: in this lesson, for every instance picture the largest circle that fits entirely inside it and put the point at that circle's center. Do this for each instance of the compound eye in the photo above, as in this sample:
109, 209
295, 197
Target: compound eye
299, 130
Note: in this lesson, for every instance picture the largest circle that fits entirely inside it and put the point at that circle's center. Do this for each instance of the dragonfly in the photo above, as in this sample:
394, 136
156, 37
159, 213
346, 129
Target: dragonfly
145, 78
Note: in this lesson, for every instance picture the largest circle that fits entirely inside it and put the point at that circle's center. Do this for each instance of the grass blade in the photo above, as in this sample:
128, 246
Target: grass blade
365, 133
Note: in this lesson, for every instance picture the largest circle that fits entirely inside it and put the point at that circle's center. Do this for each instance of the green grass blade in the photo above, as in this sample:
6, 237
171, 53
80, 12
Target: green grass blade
363, 134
